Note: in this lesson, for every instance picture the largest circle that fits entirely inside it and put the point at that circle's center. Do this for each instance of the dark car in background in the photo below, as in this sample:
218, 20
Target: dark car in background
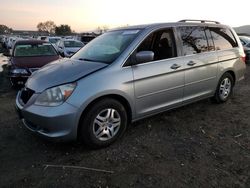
247, 52
28, 56
87, 38
245, 41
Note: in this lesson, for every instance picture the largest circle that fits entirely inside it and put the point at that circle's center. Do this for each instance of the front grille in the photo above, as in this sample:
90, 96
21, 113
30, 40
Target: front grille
26, 94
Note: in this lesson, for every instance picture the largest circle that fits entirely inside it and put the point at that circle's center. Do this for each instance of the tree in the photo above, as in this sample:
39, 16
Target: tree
48, 27
63, 30
102, 29
5, 30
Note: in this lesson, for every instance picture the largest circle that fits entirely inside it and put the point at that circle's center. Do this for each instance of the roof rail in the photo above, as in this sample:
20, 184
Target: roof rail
201, 21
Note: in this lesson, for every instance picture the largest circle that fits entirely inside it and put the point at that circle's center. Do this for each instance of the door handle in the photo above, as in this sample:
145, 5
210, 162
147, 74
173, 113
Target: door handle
175, 66
191, 63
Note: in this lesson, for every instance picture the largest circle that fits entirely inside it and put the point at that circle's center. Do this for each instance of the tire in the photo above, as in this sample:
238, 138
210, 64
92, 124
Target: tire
224, 89
103, 123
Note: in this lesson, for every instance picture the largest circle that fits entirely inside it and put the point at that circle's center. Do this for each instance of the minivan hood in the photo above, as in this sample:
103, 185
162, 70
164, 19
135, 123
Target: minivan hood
60, 72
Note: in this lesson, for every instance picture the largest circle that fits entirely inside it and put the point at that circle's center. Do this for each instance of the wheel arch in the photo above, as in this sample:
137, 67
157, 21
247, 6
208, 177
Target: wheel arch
232, 74
117, 97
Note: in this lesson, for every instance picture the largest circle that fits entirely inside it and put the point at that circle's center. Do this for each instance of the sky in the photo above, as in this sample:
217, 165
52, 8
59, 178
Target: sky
87, 15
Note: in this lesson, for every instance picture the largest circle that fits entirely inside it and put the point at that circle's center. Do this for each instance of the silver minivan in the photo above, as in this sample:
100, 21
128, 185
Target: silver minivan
128, 74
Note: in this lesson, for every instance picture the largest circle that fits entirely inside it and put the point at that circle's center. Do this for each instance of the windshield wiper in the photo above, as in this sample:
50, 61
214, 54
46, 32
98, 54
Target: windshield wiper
85, 59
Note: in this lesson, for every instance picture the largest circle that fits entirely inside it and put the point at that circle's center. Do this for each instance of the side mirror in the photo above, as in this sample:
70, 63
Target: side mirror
144, 56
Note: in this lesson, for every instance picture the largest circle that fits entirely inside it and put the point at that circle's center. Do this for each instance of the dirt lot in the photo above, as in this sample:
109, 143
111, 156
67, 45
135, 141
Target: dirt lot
199, 145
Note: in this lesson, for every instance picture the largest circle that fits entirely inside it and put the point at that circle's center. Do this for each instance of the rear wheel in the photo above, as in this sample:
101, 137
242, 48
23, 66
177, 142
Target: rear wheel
224, 88
104, 122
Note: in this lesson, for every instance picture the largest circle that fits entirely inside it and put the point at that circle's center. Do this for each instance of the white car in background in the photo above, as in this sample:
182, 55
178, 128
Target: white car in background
53, 40
68, 47
11, 41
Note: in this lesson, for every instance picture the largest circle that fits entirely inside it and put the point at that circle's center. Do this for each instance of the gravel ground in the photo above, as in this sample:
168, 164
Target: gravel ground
199, 145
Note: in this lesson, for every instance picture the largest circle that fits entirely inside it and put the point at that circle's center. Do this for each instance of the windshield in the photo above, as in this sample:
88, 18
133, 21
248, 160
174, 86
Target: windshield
73, 44
27, 50
107, 47
53, 40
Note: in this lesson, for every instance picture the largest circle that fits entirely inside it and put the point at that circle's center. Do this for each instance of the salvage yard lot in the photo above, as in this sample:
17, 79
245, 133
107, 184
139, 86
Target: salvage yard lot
199, 145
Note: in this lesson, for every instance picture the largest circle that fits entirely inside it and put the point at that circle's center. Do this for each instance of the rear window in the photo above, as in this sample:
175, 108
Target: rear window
223, 38
73, 44
28, 50
53, 40
193, 39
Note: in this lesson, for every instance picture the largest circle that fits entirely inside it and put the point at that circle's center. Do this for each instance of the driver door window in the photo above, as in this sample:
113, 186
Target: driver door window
161, 42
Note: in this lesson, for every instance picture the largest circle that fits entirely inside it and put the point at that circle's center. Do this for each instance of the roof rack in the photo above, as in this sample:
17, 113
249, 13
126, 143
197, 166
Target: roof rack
201, 21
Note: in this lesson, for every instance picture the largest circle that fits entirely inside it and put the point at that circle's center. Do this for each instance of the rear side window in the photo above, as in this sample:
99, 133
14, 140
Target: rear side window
193, 39
223, 38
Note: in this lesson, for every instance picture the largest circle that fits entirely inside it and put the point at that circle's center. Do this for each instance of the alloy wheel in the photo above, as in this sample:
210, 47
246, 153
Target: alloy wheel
106, 124
225, 88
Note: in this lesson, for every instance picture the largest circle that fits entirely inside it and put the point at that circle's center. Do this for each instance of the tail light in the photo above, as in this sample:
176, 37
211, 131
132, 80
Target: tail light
243, 58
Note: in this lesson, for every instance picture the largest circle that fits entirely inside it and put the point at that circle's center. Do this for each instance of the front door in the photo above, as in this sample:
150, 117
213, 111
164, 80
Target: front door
158, 84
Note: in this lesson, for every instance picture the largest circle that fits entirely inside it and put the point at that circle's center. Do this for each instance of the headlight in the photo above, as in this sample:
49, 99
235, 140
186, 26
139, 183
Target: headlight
19, 71
56, 95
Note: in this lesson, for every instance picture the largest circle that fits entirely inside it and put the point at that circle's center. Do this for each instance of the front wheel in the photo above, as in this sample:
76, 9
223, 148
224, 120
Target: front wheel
224, 88
104, 122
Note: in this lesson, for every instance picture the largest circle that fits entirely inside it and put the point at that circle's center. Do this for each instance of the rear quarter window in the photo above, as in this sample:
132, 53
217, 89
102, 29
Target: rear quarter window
193, 40
223, 38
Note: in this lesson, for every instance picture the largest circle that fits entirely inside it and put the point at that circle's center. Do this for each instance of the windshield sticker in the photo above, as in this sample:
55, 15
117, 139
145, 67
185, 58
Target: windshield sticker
130, 32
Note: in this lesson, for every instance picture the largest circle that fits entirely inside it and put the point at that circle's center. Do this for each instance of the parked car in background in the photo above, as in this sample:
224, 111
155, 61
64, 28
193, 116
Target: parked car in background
53, 40
2, 37
5, 41
26, 37
11, 41
87, 38
27, 57
68, 47
41, 37
244, 40
247, 52
127, 74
